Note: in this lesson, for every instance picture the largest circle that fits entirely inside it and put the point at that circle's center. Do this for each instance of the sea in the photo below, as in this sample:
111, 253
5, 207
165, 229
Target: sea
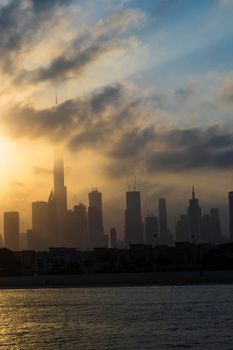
160, 317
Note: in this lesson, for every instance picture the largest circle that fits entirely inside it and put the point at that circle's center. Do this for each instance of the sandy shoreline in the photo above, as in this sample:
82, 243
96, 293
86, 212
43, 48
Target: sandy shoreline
118, 279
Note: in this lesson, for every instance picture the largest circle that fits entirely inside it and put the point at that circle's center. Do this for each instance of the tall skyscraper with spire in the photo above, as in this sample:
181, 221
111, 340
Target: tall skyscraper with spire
194, 219
52, 221
60, 195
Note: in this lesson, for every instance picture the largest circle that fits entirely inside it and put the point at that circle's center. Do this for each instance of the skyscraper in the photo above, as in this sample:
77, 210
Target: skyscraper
113, 237
163, 231
11, 230
95, 220
52, 221
151, 230
133, 219
194, 218
230, 198
40, 226
216, 228
81, 228
182, 229
206, 229
60, 194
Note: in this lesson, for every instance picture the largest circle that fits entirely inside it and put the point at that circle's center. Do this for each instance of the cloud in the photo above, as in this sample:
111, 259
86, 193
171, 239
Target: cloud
19, 22
193, 148
118, 124
184, 93
45, 5
227, 92
106, 36
72, 120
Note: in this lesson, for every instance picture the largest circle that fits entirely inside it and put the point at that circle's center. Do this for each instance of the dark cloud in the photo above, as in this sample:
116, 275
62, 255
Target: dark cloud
77, 121
62, 66
193, 148
19, 22
87, 47
172, 150
45, 5
119, 125
134, 142
184, 93
109, 95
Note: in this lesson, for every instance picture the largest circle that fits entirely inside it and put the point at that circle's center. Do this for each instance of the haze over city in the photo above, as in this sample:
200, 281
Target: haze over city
125, 89
116, 174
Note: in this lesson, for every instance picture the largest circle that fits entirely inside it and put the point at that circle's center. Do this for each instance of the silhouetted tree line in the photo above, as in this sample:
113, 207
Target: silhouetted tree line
9, 265
138, 258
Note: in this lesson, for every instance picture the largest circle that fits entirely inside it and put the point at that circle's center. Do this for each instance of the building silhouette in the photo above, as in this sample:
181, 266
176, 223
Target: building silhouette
81, 226
113, 238
60, 195
23, 241
95, 220
216, 226
163, 231
133, 218
182, 229
194, 219
11, 230
40, 226
151, 230
70, 235
52, 221
230, 199
1, 241
31, 244
206, 229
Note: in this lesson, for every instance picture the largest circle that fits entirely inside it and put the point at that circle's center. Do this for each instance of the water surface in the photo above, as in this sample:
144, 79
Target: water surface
161, 317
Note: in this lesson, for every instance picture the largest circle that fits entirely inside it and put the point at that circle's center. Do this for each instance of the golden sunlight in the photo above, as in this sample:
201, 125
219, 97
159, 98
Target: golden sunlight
6, 167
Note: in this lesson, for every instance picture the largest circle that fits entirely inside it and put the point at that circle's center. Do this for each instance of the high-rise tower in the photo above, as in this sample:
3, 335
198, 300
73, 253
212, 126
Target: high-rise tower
52, 221
163, 231
95, 220
194, 219
11, 230
113, 237
81, 227
151, 230
133, 218
40, 233
216, 227
230, 198
60, 195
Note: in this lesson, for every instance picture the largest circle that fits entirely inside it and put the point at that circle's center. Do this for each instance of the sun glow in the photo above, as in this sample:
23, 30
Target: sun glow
5, 162
3, 153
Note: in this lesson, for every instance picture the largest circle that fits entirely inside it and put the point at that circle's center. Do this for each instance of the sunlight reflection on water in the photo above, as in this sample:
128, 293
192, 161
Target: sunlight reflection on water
164, 317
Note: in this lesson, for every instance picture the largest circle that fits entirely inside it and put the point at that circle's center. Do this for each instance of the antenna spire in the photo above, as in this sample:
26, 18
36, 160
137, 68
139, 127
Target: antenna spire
193, 192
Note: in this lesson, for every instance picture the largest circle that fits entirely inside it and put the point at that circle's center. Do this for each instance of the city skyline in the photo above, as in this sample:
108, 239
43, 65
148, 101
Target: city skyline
123, 93
54, 224
116, 170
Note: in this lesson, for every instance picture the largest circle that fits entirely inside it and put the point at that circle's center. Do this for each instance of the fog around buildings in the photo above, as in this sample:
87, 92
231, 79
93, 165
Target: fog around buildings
82, 227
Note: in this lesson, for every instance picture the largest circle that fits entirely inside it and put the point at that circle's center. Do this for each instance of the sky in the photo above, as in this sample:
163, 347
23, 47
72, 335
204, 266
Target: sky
144, 94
